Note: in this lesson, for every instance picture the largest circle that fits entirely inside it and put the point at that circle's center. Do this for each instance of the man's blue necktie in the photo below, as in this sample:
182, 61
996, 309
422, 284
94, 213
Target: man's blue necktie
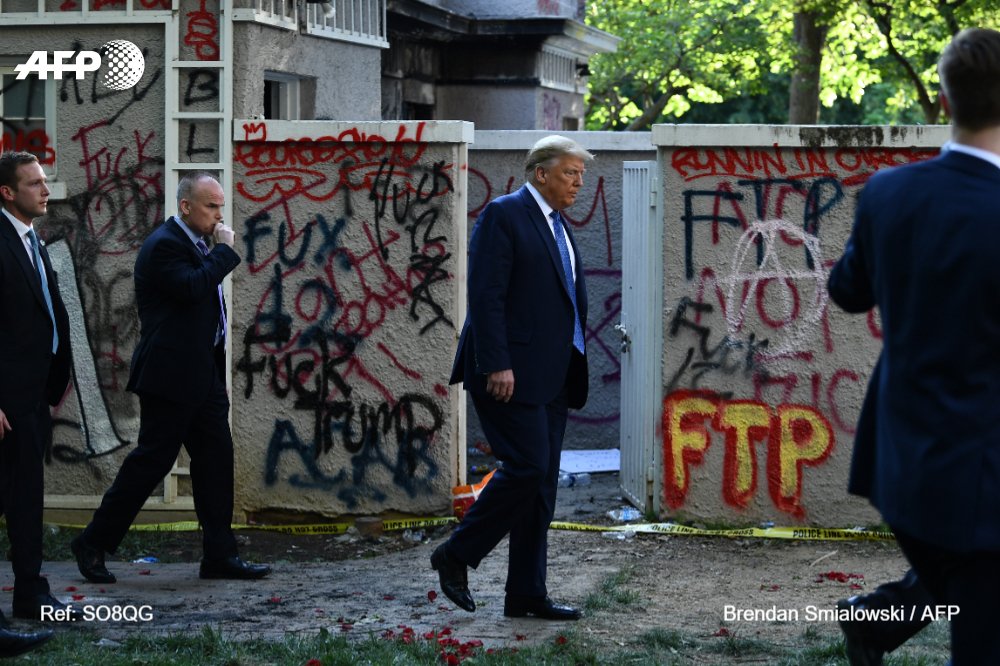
560, 234
220, 332
40, 269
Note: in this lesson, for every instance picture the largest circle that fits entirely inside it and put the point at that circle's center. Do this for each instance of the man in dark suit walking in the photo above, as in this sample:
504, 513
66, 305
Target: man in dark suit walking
927, 449
178, 371
523, 360
34, 373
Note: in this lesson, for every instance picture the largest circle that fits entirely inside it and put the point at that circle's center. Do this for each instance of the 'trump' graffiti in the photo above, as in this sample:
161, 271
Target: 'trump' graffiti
351, 270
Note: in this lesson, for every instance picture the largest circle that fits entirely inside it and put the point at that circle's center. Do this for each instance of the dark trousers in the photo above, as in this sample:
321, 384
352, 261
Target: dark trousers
969, 581
22, 488
908, 594
164, 426
520, 499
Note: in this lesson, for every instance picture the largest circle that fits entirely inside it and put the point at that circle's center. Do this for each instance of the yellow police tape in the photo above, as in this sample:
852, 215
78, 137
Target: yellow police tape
797, 533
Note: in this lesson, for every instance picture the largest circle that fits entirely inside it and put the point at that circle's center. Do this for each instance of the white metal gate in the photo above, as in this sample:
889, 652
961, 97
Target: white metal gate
641, 331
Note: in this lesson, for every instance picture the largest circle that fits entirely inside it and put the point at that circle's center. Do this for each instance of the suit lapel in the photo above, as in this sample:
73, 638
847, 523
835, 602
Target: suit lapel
545, 231
174, 228
16, 249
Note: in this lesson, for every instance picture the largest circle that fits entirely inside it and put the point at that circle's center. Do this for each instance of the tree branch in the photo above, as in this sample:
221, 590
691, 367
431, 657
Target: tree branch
931, 107
947, 10
652, 112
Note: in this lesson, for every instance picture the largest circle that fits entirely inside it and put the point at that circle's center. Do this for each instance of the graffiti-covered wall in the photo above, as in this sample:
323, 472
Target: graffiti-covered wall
345, 314
496, 168
763, 376
104, 154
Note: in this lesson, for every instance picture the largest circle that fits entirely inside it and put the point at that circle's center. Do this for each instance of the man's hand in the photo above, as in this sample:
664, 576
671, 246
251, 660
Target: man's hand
500, 384
223, 234
4, 425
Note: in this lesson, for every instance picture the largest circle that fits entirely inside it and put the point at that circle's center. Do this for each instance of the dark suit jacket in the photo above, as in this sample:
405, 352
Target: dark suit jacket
176, 291
29, 373
520, 313
925, 249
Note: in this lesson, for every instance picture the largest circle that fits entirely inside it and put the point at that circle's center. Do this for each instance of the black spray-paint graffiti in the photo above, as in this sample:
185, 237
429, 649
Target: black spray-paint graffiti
322, 320
769, 201
729, 357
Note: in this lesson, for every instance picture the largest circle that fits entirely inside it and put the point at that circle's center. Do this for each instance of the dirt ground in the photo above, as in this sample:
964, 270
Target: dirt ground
362, 587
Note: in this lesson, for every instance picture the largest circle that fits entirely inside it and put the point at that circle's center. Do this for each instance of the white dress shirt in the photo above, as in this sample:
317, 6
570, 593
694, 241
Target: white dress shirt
547, 212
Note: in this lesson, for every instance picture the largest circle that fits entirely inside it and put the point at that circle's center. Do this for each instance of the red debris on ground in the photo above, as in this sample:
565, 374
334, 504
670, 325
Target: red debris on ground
838, 576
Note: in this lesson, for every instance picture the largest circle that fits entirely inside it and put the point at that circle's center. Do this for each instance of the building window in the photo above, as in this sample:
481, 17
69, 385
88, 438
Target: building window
413, 111
282, 96
27, 115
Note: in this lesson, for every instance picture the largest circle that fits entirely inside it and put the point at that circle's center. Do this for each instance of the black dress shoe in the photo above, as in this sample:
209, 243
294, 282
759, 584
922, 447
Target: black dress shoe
860, 651
13, 643
45, 607
233, 568
90, 561
454, 578
541, 607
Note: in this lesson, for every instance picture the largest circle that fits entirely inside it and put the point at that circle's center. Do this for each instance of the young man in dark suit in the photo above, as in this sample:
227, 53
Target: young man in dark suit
927, 450
34, 373
178, 371
522, 357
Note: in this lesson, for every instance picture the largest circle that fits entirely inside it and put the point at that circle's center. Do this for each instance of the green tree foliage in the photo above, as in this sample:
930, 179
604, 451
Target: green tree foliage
728, 60
673, 53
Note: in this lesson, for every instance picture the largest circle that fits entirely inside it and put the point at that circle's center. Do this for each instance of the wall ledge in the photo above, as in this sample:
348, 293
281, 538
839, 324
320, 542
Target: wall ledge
805, 136
425, 131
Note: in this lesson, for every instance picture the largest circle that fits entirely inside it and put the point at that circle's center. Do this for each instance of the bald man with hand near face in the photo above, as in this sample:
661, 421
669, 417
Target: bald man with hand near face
178, 372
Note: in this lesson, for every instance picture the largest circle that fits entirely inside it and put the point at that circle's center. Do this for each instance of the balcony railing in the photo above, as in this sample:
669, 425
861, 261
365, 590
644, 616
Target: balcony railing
61, 12
557, 69
359, 21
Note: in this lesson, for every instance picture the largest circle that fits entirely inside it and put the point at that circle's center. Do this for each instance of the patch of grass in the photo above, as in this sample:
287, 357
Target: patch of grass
612, 592
831, 651
656, 647
812, 634
663, 639
736, 646
633, 658
211, 648
936, 634
912, 660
